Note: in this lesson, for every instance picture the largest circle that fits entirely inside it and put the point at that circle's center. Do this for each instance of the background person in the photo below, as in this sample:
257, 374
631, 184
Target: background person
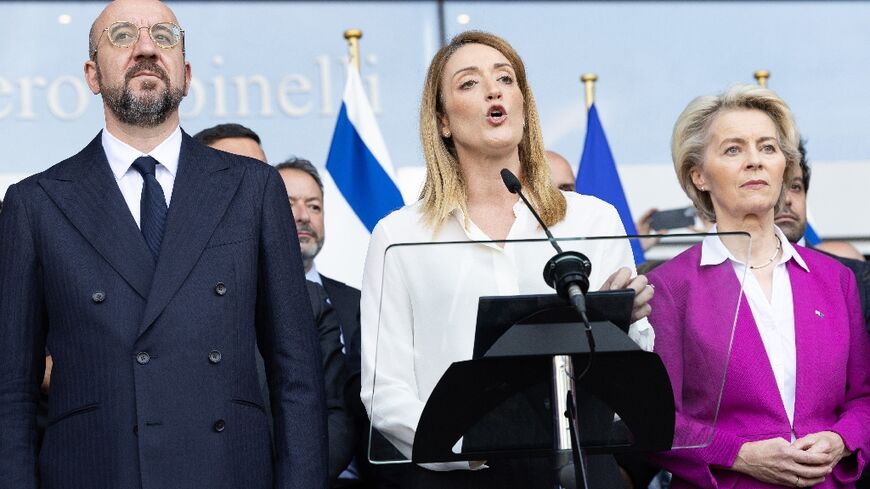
792, 219
233, 138
796, 398
561, 173
305, 191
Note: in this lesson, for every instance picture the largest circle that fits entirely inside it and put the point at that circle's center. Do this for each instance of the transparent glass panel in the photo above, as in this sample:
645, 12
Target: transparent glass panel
473, 347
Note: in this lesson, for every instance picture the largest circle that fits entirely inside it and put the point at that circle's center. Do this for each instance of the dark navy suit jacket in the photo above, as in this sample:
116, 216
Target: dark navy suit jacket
345, 301
154, 383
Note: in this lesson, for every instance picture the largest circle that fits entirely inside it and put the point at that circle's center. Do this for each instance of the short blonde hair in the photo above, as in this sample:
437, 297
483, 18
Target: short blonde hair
445, 189
692, 135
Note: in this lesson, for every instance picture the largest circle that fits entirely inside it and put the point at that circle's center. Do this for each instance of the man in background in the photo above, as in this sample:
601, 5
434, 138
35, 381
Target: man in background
792, 219
233, 138
561, 173
305, 191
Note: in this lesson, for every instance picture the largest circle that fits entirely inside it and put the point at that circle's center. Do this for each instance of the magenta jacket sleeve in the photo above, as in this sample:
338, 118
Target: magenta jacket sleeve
853, 424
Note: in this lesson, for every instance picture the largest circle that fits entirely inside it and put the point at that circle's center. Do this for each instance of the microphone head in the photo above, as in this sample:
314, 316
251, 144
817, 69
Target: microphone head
510, 181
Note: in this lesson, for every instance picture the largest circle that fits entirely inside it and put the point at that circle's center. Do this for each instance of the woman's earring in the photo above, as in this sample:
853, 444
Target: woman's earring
446, 133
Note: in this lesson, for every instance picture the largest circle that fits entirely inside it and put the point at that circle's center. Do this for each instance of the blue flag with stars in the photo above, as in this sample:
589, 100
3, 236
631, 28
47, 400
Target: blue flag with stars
597, 176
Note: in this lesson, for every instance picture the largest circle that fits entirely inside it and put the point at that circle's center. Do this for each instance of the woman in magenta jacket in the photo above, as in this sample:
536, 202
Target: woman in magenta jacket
795, 403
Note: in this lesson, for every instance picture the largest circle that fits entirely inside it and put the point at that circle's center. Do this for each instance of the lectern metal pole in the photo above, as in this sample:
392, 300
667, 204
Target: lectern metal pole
568, 455
562, 374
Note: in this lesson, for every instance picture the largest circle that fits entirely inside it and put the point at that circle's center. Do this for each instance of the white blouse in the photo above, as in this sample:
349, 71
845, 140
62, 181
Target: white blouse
775, 318
426, 318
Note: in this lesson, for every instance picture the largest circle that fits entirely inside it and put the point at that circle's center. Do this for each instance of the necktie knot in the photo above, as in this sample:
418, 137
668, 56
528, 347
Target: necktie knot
145, 165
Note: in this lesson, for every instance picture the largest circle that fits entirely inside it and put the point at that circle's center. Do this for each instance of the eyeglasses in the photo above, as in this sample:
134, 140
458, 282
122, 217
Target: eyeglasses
165, 35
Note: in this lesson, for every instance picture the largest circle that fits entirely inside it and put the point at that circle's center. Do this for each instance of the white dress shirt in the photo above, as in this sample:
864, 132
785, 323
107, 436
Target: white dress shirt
121, 157
775, 318
426, 317
313, 275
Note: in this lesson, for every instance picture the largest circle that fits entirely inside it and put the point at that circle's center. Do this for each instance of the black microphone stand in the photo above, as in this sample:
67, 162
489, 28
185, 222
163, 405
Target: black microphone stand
568, 273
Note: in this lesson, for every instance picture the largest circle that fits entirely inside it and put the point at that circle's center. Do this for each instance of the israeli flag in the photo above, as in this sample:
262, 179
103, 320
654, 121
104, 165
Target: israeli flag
358, 161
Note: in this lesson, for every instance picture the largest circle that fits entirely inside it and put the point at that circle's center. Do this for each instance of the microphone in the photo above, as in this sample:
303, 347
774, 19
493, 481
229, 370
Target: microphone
568, 271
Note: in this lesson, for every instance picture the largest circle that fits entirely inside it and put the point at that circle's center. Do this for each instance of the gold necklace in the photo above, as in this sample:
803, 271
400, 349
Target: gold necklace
775, 253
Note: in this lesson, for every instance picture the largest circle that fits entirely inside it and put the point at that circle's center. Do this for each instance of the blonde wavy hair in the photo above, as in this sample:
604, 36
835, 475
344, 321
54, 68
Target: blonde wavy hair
445, 188
692, 135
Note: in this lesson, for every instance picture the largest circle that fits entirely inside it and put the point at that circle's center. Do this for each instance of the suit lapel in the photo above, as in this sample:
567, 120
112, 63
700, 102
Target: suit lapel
203, 189
755, 353
345, 304
745, 350
86, 192
729, 302
806, 330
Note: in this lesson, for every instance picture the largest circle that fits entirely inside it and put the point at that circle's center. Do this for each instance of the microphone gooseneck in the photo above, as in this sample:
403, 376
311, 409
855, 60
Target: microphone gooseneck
567, 272
515, 187
567, 267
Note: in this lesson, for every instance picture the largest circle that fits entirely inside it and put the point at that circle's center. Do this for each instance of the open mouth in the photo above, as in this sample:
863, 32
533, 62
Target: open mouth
496, 114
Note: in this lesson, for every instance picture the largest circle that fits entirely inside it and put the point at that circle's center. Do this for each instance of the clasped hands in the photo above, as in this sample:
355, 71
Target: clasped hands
803, 463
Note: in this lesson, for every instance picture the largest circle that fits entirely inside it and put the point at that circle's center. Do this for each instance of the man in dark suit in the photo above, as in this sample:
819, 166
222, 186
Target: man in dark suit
305, 191
152, 267
792, 219
241, 140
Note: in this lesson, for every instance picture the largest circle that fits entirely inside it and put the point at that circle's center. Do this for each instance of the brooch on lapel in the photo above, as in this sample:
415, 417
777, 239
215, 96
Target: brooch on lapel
819, 313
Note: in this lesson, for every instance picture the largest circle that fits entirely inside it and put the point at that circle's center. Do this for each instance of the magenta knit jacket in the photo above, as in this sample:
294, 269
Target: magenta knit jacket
693, 313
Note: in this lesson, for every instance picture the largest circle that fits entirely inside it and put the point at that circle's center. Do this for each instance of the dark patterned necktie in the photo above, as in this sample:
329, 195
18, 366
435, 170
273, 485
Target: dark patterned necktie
152, 206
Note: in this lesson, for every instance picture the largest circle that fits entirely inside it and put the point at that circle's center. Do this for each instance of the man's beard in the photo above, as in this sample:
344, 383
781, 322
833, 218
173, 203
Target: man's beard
793, 229
309, 252
312, 246
148, 110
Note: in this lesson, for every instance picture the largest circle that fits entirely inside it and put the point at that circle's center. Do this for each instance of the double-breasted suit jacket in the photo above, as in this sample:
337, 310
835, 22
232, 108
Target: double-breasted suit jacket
154, 383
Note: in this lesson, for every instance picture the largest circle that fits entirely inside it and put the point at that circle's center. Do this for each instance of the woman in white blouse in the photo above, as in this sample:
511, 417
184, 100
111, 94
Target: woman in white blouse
477, 117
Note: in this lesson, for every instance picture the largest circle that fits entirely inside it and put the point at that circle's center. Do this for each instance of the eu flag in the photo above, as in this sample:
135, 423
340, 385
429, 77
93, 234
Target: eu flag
811, 236
598, 177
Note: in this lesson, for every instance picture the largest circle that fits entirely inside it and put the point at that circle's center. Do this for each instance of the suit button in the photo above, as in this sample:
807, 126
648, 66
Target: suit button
143, 357
99, 296
136, 429
220, 288
219, 425
214, 356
